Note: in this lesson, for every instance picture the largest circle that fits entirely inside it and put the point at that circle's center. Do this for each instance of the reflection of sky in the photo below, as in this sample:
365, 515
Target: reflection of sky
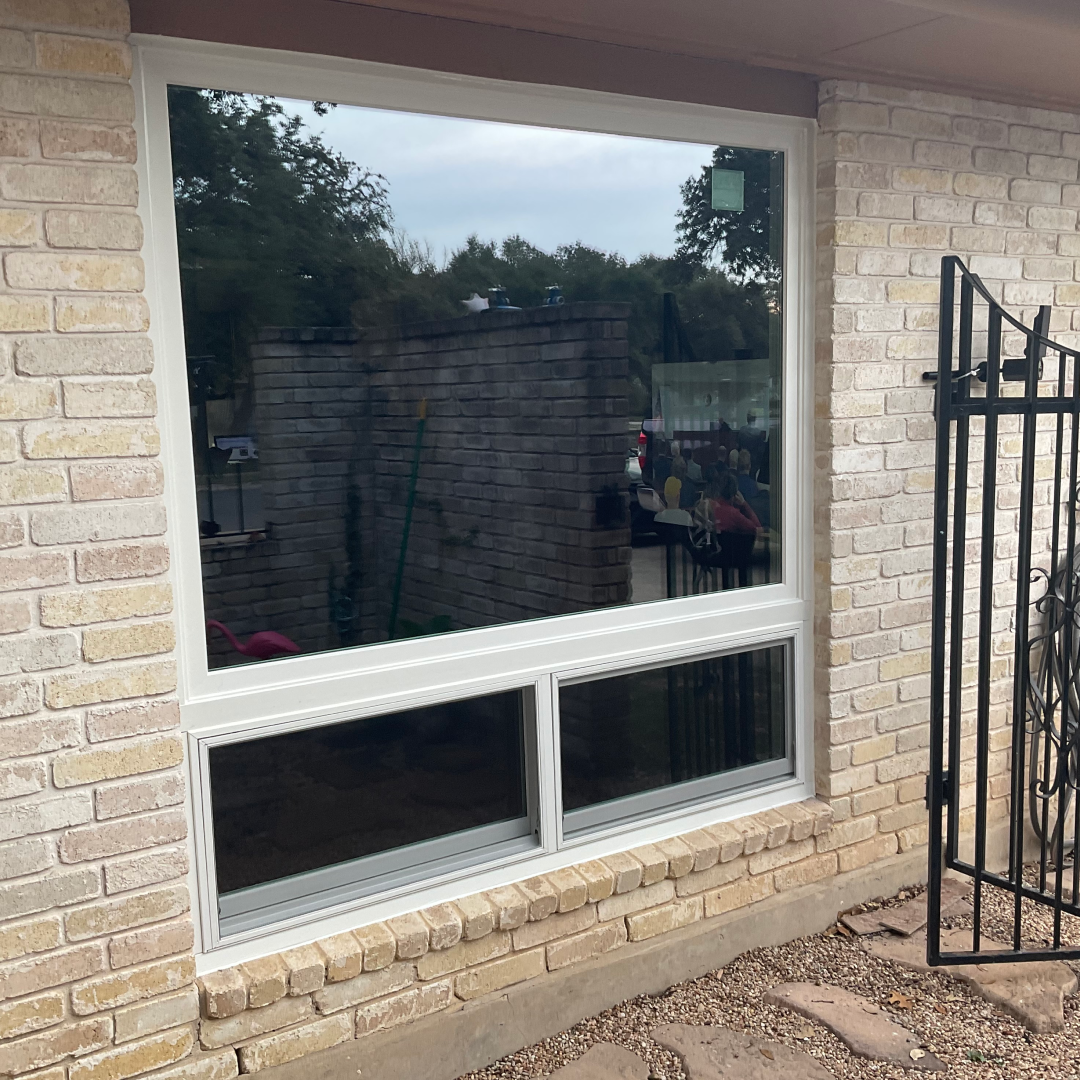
449, 178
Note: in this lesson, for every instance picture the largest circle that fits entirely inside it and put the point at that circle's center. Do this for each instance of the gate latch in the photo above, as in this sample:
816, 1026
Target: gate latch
946, 789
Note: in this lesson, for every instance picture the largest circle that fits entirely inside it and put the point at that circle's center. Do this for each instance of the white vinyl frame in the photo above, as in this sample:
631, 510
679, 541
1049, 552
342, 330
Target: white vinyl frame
236, 702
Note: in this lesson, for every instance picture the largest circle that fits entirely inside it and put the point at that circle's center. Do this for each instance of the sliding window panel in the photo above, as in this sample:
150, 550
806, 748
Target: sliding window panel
314, 818
661, 738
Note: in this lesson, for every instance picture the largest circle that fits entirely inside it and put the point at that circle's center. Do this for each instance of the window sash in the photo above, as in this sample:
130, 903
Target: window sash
303, 691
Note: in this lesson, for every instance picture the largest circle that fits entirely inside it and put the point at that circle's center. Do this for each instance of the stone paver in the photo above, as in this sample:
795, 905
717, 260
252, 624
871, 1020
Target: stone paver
604, 1061
862, 1026
1034, 993
717, 1053
910, 917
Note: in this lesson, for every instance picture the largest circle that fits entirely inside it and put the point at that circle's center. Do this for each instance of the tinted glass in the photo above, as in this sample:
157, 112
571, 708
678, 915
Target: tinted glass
651, 729
446, 373
327, 795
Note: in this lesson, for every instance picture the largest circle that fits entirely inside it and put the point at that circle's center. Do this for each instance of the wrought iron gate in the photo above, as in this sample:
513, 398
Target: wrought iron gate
1005, 640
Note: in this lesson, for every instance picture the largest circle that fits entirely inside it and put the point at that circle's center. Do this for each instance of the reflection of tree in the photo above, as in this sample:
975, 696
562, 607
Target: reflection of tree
276, 228
745, 241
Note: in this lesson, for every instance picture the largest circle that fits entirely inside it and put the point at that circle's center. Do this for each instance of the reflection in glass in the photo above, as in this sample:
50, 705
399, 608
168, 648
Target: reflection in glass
448, 373
315, 798
651, 729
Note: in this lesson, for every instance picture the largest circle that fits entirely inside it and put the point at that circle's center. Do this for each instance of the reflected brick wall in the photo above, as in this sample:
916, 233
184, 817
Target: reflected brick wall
527, 422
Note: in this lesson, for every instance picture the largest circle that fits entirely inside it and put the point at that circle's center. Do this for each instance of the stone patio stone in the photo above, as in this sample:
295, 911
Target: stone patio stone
604, 1061
910, 917
1033, 992
717, 1053
862, 1026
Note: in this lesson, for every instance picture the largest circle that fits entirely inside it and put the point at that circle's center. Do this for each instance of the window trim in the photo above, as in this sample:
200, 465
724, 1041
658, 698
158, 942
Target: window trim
301, 691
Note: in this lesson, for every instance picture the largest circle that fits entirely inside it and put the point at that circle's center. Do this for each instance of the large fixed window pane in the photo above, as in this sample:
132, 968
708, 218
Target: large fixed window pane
448, 373
635, 743
306, 817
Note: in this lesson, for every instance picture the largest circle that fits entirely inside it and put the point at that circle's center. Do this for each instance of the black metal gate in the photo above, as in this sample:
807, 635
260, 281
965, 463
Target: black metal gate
1005, 643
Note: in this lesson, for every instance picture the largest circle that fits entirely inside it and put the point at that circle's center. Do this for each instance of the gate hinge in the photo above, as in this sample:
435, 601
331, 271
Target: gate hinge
946, 789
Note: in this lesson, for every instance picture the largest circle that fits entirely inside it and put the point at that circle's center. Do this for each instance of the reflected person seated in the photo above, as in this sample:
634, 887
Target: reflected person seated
757, 499
730, 511
753, 439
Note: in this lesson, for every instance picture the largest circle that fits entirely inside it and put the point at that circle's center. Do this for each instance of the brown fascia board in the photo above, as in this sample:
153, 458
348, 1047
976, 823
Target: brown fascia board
362, 32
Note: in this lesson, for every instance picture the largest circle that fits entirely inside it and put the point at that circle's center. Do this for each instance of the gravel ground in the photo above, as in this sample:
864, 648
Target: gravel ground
969, 1035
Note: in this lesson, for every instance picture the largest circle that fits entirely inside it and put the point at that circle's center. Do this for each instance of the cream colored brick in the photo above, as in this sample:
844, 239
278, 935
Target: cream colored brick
444, 925
23, 314
650, 924
113, 684
816, 868
699, 881
561, 925
110, 916
39, 735
80, 524
739, 894
379, 945
586, 946
344, 995
411, 933
67, 183
770, 859
477, 915
101, 314
859, 855
252, 1022
873, 749
861, 234
627, 871
148, 1018
434, 965
570, 888
511, 908
102, 605
919, 236
755, 833
45, 815
119, 561
402, 1008
541, 897
18, 228
132, 984
778, 826
654, 863
928, 180
299, 1042
802, 821
728, 838
123, 642
152, 943
17, 698
109, 398
499, 973
913, 292
140, 718
14, 49
120, 837
307, 969
65, 141
344, 956
87, 273
599, 879
54, 969
18, 137
90, 438
31, 1014
55, 889
916, 836
22, 778
41, 1050
122, 354
23, 857
135, 1058
704, 847
622, 904
93, 229
267, 980
221, 1066
164, 864
223, 993
82, 55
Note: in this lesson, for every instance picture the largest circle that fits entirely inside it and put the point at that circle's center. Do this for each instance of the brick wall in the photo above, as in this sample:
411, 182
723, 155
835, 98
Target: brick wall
95, 942
905, 177
527, 416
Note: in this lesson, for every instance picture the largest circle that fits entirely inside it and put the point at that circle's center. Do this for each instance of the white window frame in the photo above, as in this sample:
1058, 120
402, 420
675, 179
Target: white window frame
224, 704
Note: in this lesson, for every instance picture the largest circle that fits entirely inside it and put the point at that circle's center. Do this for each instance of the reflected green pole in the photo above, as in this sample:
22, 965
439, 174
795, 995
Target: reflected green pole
420, 424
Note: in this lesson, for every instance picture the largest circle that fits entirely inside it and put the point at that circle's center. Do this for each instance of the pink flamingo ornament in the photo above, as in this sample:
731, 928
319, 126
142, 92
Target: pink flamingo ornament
263, 645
